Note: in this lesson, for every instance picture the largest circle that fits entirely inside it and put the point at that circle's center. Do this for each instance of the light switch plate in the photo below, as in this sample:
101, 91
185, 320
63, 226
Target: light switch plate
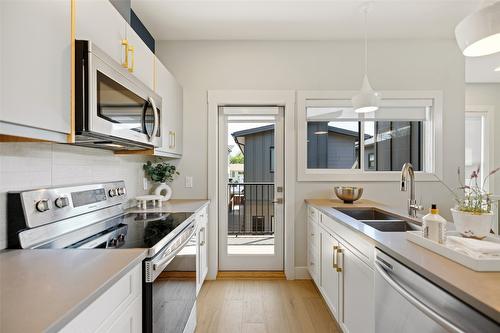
189, 182
145, 183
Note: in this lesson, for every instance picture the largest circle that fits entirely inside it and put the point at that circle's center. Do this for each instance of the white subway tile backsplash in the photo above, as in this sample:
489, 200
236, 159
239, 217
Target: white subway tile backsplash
35, 165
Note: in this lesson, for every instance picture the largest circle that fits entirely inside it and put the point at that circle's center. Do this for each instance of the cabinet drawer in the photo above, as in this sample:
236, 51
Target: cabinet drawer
313, 263
312, 213
109, 305
359, 245
313, 233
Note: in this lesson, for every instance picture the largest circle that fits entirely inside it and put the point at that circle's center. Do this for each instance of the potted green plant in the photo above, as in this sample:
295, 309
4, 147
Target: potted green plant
161, 172
473, 214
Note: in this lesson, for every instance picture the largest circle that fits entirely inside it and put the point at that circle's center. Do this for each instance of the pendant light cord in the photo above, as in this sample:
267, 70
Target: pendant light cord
365, 9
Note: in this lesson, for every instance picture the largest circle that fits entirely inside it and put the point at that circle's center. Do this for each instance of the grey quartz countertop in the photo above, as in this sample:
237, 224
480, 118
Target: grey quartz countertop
174, 206
481, 290
43, 290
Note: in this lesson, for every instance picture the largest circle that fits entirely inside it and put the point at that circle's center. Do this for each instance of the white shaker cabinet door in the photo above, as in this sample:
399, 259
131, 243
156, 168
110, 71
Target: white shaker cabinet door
100, 22
358, 278
171, 94
330, 278
36, 66
141, 59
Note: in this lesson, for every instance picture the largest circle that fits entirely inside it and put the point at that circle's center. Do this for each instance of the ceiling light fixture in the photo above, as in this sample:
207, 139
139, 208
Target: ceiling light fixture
479, 33
367, 100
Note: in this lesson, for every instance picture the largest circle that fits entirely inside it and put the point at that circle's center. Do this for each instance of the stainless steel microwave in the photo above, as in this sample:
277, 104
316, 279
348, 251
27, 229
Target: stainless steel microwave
113, 109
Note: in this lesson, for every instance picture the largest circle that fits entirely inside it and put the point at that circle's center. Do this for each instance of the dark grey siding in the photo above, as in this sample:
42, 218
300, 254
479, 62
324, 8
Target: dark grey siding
258, 148
329, 151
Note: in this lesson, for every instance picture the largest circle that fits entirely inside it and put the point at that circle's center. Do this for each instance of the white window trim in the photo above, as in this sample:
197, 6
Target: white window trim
433, 158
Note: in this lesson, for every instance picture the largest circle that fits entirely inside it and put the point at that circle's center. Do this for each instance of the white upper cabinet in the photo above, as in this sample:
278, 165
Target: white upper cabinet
99, 22
140, 58
171, 93
36, 69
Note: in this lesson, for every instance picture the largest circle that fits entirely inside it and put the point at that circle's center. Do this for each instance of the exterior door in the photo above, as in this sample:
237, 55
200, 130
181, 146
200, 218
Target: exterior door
251, 188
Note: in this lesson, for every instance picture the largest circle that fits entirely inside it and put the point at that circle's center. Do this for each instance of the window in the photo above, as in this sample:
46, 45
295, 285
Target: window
335, 140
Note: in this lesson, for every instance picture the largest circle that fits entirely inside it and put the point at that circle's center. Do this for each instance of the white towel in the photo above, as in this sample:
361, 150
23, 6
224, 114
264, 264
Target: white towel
474, 247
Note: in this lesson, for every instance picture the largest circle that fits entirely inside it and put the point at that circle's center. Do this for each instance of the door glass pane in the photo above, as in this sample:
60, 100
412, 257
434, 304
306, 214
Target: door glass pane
250, 189
390, 144
333, 144
119, 105
473, 145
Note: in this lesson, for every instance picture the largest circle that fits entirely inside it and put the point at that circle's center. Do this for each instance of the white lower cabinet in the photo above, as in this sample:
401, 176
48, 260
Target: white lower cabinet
330, 278
202, 249
346, 279
119, 309
358, 279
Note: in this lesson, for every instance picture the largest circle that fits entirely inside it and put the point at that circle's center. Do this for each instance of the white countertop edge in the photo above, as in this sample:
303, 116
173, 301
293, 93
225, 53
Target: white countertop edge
77, 309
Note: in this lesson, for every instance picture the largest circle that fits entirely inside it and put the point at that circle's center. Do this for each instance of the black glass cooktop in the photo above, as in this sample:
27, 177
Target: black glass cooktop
145, 230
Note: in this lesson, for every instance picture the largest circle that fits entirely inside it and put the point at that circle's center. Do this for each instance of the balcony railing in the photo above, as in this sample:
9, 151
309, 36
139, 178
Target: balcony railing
250, 209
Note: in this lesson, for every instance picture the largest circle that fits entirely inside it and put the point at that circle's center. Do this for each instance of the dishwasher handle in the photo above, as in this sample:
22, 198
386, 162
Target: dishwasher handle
415, 301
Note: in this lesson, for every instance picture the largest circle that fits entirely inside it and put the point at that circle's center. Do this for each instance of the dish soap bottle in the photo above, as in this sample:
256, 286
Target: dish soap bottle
434, 226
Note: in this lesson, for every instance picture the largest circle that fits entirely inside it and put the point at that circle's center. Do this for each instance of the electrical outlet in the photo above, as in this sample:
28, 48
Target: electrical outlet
145, 183
189, 182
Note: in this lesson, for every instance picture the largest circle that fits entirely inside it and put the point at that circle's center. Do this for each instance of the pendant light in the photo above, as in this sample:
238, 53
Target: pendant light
479, 33
367, 100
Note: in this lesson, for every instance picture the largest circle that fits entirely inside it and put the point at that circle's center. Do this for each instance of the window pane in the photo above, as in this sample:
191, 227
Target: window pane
390, 144
333, 144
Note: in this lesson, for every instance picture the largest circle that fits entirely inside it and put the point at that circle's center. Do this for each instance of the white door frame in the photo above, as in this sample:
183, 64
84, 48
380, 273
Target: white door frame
252, 262
285, 98
489, 144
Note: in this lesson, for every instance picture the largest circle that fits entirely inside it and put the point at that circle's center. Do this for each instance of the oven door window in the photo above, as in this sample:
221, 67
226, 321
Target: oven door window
122, 107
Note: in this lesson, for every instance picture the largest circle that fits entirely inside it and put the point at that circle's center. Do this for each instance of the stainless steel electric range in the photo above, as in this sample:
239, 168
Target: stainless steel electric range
92, 216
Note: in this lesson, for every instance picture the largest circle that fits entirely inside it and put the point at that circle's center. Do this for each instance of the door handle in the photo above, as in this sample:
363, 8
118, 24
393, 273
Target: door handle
156, 119
335, 263
278, 201
339, 251
125, 43
131, 49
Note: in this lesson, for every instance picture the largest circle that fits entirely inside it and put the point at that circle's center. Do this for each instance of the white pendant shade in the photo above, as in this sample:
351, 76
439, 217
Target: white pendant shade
367, 100
479, 33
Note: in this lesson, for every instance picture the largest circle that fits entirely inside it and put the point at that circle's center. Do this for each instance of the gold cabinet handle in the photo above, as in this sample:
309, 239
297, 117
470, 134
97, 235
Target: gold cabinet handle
131, 49
175, 139
335, 249
125, 43
339, 251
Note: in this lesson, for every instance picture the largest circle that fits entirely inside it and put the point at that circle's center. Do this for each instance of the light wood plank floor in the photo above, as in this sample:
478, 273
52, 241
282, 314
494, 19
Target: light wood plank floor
262, 306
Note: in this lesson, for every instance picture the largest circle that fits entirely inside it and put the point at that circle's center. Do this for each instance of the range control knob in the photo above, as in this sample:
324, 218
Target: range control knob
61, 202
121, 191
113, 193
42, 205
121, 237
113, 242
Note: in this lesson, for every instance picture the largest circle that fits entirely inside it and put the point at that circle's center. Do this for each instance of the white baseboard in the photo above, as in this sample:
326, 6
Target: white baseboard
302, 273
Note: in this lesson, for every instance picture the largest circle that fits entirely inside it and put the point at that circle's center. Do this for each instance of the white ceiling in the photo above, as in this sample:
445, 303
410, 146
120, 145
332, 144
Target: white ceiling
300, 20
312, 20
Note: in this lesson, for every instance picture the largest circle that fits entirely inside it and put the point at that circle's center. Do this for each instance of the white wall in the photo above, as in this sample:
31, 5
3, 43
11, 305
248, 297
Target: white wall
35, 165
487, 94
321, 65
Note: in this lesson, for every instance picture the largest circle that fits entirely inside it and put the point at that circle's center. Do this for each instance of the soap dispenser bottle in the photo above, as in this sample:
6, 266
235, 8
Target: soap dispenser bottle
434, 226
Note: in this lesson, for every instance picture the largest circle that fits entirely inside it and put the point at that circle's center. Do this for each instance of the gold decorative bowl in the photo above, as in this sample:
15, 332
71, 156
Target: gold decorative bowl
348, 194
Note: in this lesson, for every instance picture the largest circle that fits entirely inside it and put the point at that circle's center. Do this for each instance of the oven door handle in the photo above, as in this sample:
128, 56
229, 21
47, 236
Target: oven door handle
166, 260
156, 119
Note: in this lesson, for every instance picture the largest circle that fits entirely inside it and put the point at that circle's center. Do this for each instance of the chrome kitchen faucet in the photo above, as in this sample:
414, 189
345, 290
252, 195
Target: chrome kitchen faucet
408, 175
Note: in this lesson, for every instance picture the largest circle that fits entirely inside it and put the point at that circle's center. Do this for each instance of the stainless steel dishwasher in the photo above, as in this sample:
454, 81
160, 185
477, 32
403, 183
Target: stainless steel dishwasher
407, 302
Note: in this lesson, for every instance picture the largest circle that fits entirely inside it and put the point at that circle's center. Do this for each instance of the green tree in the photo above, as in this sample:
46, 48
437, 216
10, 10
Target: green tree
237, 159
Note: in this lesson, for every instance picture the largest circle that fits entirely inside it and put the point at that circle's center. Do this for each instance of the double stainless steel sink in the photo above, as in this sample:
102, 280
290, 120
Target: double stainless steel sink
379, 219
